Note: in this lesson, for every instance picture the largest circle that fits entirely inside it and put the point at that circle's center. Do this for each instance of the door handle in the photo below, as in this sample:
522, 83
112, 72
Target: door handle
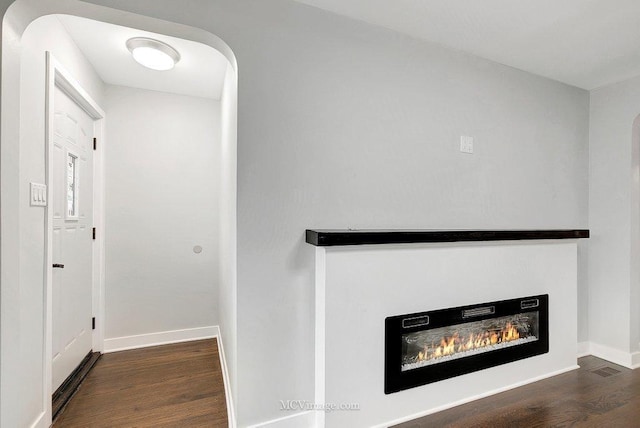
58, 265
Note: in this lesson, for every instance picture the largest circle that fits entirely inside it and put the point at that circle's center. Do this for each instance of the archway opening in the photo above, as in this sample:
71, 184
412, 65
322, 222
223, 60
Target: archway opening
147, 166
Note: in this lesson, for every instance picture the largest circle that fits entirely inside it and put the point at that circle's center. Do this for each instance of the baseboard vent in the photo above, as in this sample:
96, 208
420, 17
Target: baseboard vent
63, 394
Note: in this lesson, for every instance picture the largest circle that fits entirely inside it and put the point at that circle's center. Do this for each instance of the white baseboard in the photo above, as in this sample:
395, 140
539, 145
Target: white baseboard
39, 422
160, 338
231, 414
473, 398
296, 420
635, 360
630, 360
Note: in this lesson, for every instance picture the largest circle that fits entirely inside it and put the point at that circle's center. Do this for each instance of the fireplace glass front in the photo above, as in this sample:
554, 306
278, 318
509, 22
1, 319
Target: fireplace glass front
431, 346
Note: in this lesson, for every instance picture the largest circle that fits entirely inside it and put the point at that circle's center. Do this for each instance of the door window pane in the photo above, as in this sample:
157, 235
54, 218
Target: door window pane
72, 185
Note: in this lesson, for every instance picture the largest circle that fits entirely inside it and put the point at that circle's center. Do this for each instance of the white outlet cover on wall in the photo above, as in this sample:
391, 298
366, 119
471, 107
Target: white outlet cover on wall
38, 195
466, 144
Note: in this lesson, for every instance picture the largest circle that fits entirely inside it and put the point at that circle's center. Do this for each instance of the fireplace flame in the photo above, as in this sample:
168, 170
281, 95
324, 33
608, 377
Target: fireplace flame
455, 343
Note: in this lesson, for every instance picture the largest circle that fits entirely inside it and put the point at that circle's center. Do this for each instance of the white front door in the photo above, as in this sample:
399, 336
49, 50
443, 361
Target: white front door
72, 204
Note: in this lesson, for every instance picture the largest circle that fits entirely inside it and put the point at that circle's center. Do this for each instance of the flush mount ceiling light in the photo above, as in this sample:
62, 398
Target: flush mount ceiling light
153, 54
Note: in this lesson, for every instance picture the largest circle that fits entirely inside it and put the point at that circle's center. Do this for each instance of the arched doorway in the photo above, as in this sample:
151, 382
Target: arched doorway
25, 295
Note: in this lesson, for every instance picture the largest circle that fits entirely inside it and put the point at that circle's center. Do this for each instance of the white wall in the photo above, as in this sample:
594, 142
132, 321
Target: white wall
342, 124
162, 168
614, 190
44, 34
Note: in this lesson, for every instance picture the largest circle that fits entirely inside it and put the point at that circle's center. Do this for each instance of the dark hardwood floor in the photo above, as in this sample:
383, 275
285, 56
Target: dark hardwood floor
181, 386
599, 394
176, 385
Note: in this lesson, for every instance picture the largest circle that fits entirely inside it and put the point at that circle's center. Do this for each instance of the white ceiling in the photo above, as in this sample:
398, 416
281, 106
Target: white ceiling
200, 71
585, 43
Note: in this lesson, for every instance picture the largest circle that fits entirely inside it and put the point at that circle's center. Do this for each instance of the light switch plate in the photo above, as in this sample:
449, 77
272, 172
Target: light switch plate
466, 144
38, 195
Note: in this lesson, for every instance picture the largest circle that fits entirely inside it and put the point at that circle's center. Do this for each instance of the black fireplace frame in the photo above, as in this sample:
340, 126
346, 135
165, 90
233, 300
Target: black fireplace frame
396, 380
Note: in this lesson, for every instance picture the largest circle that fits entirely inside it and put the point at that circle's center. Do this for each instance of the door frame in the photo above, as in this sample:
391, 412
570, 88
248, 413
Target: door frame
58, 76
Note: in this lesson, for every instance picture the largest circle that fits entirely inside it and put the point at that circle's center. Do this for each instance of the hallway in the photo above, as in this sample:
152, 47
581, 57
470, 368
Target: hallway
164, 386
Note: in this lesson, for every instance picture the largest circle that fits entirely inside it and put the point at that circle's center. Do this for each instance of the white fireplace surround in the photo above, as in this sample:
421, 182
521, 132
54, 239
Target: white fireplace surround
358, 286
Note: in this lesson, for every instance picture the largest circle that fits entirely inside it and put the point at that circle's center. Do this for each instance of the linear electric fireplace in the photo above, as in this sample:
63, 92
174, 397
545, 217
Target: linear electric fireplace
427, 347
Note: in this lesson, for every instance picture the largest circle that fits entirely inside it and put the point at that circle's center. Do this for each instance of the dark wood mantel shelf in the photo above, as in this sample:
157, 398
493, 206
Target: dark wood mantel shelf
328, 238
